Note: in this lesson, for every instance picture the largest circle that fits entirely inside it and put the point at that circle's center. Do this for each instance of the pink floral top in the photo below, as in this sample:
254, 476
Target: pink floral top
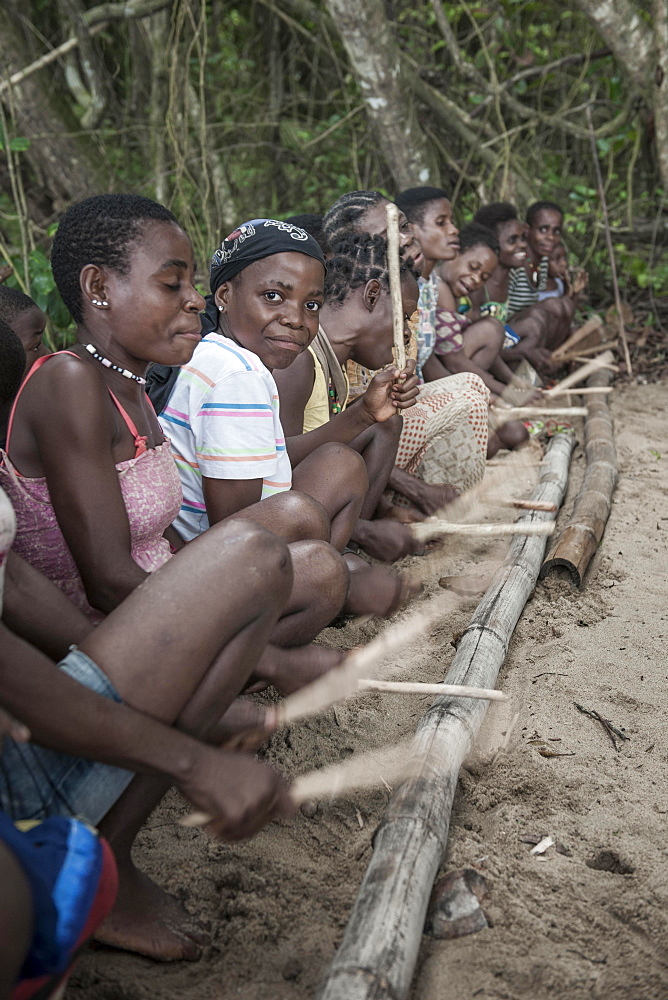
151, 491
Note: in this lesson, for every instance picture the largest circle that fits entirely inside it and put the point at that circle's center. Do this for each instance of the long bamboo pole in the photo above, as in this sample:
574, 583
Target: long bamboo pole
380, 946
392, 214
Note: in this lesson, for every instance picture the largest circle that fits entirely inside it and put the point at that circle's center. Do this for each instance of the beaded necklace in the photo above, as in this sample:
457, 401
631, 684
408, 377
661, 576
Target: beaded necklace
109, 364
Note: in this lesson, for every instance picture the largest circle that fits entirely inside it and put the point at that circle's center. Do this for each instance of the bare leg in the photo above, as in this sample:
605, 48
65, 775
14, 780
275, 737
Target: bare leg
180, 648
16, 920
336, 476
293, 516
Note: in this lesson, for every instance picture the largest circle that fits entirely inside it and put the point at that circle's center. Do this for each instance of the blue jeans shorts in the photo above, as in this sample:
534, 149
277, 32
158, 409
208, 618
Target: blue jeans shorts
36, 783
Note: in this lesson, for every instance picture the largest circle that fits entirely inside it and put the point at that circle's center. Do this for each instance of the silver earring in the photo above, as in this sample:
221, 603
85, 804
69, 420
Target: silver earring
221, 309
99, 302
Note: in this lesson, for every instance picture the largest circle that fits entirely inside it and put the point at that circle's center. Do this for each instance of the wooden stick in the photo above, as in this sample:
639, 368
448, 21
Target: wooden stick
580, 538
395, 284
364, 770
586, 353
341, 682
549, 508
593, 323
380, 946
593, 390
608, 240
582, 374
416, 687
431, 529
610, 368
525, 412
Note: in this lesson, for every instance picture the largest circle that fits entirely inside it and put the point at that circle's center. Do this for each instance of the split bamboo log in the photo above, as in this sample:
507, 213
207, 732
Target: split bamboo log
395, 284
380, 946
581, 536
593, 323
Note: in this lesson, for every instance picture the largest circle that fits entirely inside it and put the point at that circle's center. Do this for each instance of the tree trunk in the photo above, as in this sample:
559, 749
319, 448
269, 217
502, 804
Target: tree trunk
374, 60
70, 166
640, 49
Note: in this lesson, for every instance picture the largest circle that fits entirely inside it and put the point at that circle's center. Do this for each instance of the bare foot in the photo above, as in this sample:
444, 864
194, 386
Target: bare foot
289, 668
148, 921
392, 512
244, 726
374, 591
405, 515
386, 540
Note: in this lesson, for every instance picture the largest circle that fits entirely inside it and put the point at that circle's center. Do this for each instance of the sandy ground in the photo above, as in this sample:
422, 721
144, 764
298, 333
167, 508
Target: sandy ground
589, 922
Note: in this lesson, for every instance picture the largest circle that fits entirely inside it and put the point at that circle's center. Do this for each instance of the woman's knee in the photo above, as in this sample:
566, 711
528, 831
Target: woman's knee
225, 543
348, 463
308, 513
323, 569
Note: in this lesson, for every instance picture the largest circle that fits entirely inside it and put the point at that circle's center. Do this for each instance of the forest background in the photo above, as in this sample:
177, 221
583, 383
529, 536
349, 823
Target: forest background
227, 111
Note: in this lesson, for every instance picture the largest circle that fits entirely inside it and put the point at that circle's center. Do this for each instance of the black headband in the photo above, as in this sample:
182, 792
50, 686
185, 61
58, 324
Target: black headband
250, 242
256, 240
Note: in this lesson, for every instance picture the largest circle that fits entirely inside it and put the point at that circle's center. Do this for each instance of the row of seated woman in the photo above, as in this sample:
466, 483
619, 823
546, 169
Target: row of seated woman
161, 556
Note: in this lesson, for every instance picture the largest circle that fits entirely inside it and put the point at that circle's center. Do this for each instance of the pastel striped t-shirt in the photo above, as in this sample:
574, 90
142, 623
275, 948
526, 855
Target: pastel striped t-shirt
223, 422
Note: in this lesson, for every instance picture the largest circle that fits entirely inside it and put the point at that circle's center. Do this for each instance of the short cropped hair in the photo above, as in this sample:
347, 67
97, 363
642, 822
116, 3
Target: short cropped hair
12, 363
475, 235
540, 206
311, 222
413, 201
357, 260
13, 302
496, 214
99, 230
345, 214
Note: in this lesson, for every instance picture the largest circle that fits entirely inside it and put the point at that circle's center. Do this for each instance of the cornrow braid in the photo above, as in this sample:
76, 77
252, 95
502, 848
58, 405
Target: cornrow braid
357, 260
344, 215
99, 230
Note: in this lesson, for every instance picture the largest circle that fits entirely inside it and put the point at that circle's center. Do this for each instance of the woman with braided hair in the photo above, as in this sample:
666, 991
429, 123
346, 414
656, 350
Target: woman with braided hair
443, 443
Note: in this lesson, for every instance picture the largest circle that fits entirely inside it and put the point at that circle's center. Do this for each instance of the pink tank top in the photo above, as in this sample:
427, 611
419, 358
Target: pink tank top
151, 491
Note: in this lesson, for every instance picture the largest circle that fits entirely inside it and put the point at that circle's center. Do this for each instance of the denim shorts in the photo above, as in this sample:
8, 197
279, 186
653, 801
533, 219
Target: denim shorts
36, 783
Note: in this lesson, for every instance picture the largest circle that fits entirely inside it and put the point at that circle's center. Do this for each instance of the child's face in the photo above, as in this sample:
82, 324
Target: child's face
471, 269
374, 222
513, 243
545, 231
437, 234
29, 327
271, 308
558, 262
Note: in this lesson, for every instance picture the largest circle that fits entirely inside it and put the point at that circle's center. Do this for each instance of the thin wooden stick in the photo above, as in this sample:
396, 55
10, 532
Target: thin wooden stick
500, 415
341, 682
592, 324
431, 529
582, 374
364, 770
591, 390
608, 240
549, 508
416, 687
609, 368
395, 284
586, 353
